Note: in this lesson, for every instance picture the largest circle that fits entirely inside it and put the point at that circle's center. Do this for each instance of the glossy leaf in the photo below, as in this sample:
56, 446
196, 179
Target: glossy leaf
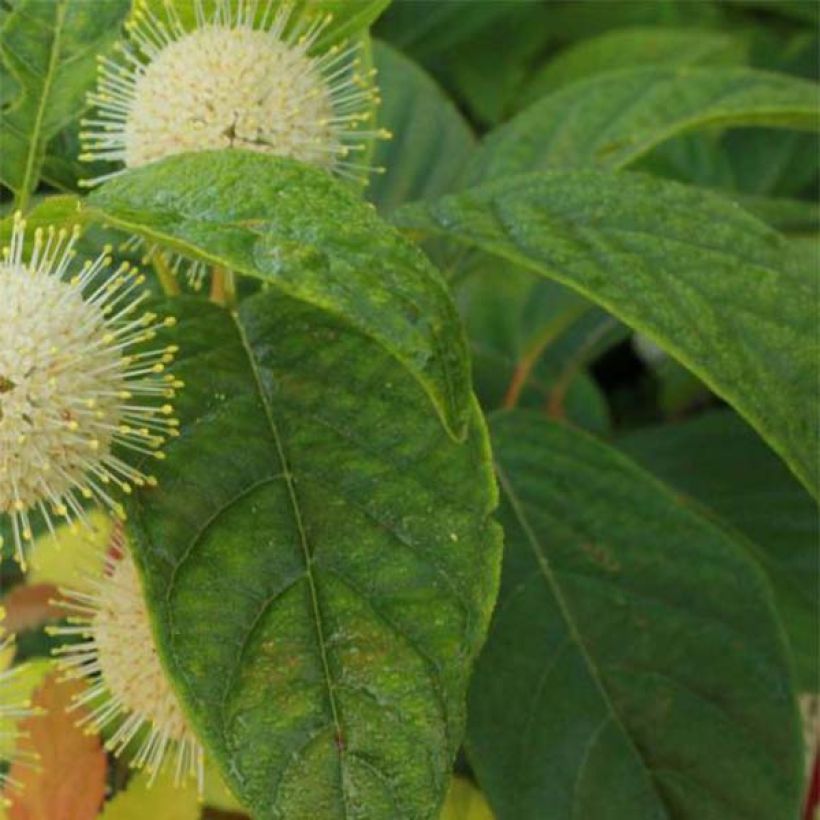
719, 461
635, 667
320, 561
311, 237
704, 280
51, 51
431, 141
613, 119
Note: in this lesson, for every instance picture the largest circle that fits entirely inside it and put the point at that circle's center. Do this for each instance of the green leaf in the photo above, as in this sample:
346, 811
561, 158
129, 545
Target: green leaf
489, 87
320, 563
58, 211
632, 47
571, 20
349, 19
612, 119
703, 279
717, 460
428, 28
431, 141
51, 50
787, 215
307, 235
802, 11
635, 667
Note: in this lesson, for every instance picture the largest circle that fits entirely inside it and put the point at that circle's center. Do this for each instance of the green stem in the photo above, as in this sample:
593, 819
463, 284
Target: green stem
167, 280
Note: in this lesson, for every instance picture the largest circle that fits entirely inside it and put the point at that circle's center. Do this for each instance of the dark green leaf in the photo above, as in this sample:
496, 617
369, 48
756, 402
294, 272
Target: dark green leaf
431, 141
490, 88
348, 19
633, 47
426, 28
635, 667
703, 279
320, 562
612, 119
310, 236
786, 215
51, 50
571, 20
719, 461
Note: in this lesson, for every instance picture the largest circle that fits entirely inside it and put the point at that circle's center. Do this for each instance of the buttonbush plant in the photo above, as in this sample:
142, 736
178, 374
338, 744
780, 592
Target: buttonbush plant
409, 410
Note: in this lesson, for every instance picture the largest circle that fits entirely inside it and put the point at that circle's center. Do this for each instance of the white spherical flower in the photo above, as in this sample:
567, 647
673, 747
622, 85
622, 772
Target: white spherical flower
79, 389
242, 79
247, 78
128, 689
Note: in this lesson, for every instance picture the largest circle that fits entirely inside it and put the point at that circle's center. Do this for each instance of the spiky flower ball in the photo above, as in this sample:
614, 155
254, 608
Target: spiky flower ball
79, 388
129, 689
15, 704
245, 78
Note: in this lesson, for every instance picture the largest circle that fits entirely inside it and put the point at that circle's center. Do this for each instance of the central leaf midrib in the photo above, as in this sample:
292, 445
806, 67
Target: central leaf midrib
575, 634
297, 514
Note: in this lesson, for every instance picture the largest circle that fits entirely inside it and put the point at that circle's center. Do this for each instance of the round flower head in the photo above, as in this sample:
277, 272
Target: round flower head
244, 78
78, 385
15, 704
129, 690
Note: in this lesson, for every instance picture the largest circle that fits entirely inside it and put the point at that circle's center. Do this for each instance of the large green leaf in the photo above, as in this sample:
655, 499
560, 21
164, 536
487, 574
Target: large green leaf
571, 20
635, 46
51, 49
320, 562
310, 236
717, 460
431, 141
703, 279
612, 119
635, 667
488, 87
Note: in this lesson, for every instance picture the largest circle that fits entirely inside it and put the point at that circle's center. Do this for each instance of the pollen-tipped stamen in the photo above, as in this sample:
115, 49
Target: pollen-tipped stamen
128, 688
78, 392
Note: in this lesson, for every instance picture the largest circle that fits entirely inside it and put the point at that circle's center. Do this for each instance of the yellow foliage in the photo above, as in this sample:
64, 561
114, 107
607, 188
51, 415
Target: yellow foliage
465, 802
161, 800
72, 557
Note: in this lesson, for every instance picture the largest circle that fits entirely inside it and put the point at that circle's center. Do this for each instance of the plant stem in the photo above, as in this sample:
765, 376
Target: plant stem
167, 280
223, 287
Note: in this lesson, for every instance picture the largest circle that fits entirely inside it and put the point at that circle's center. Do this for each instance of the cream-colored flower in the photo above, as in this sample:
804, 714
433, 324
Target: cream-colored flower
245, 77
129, 689
79, 389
